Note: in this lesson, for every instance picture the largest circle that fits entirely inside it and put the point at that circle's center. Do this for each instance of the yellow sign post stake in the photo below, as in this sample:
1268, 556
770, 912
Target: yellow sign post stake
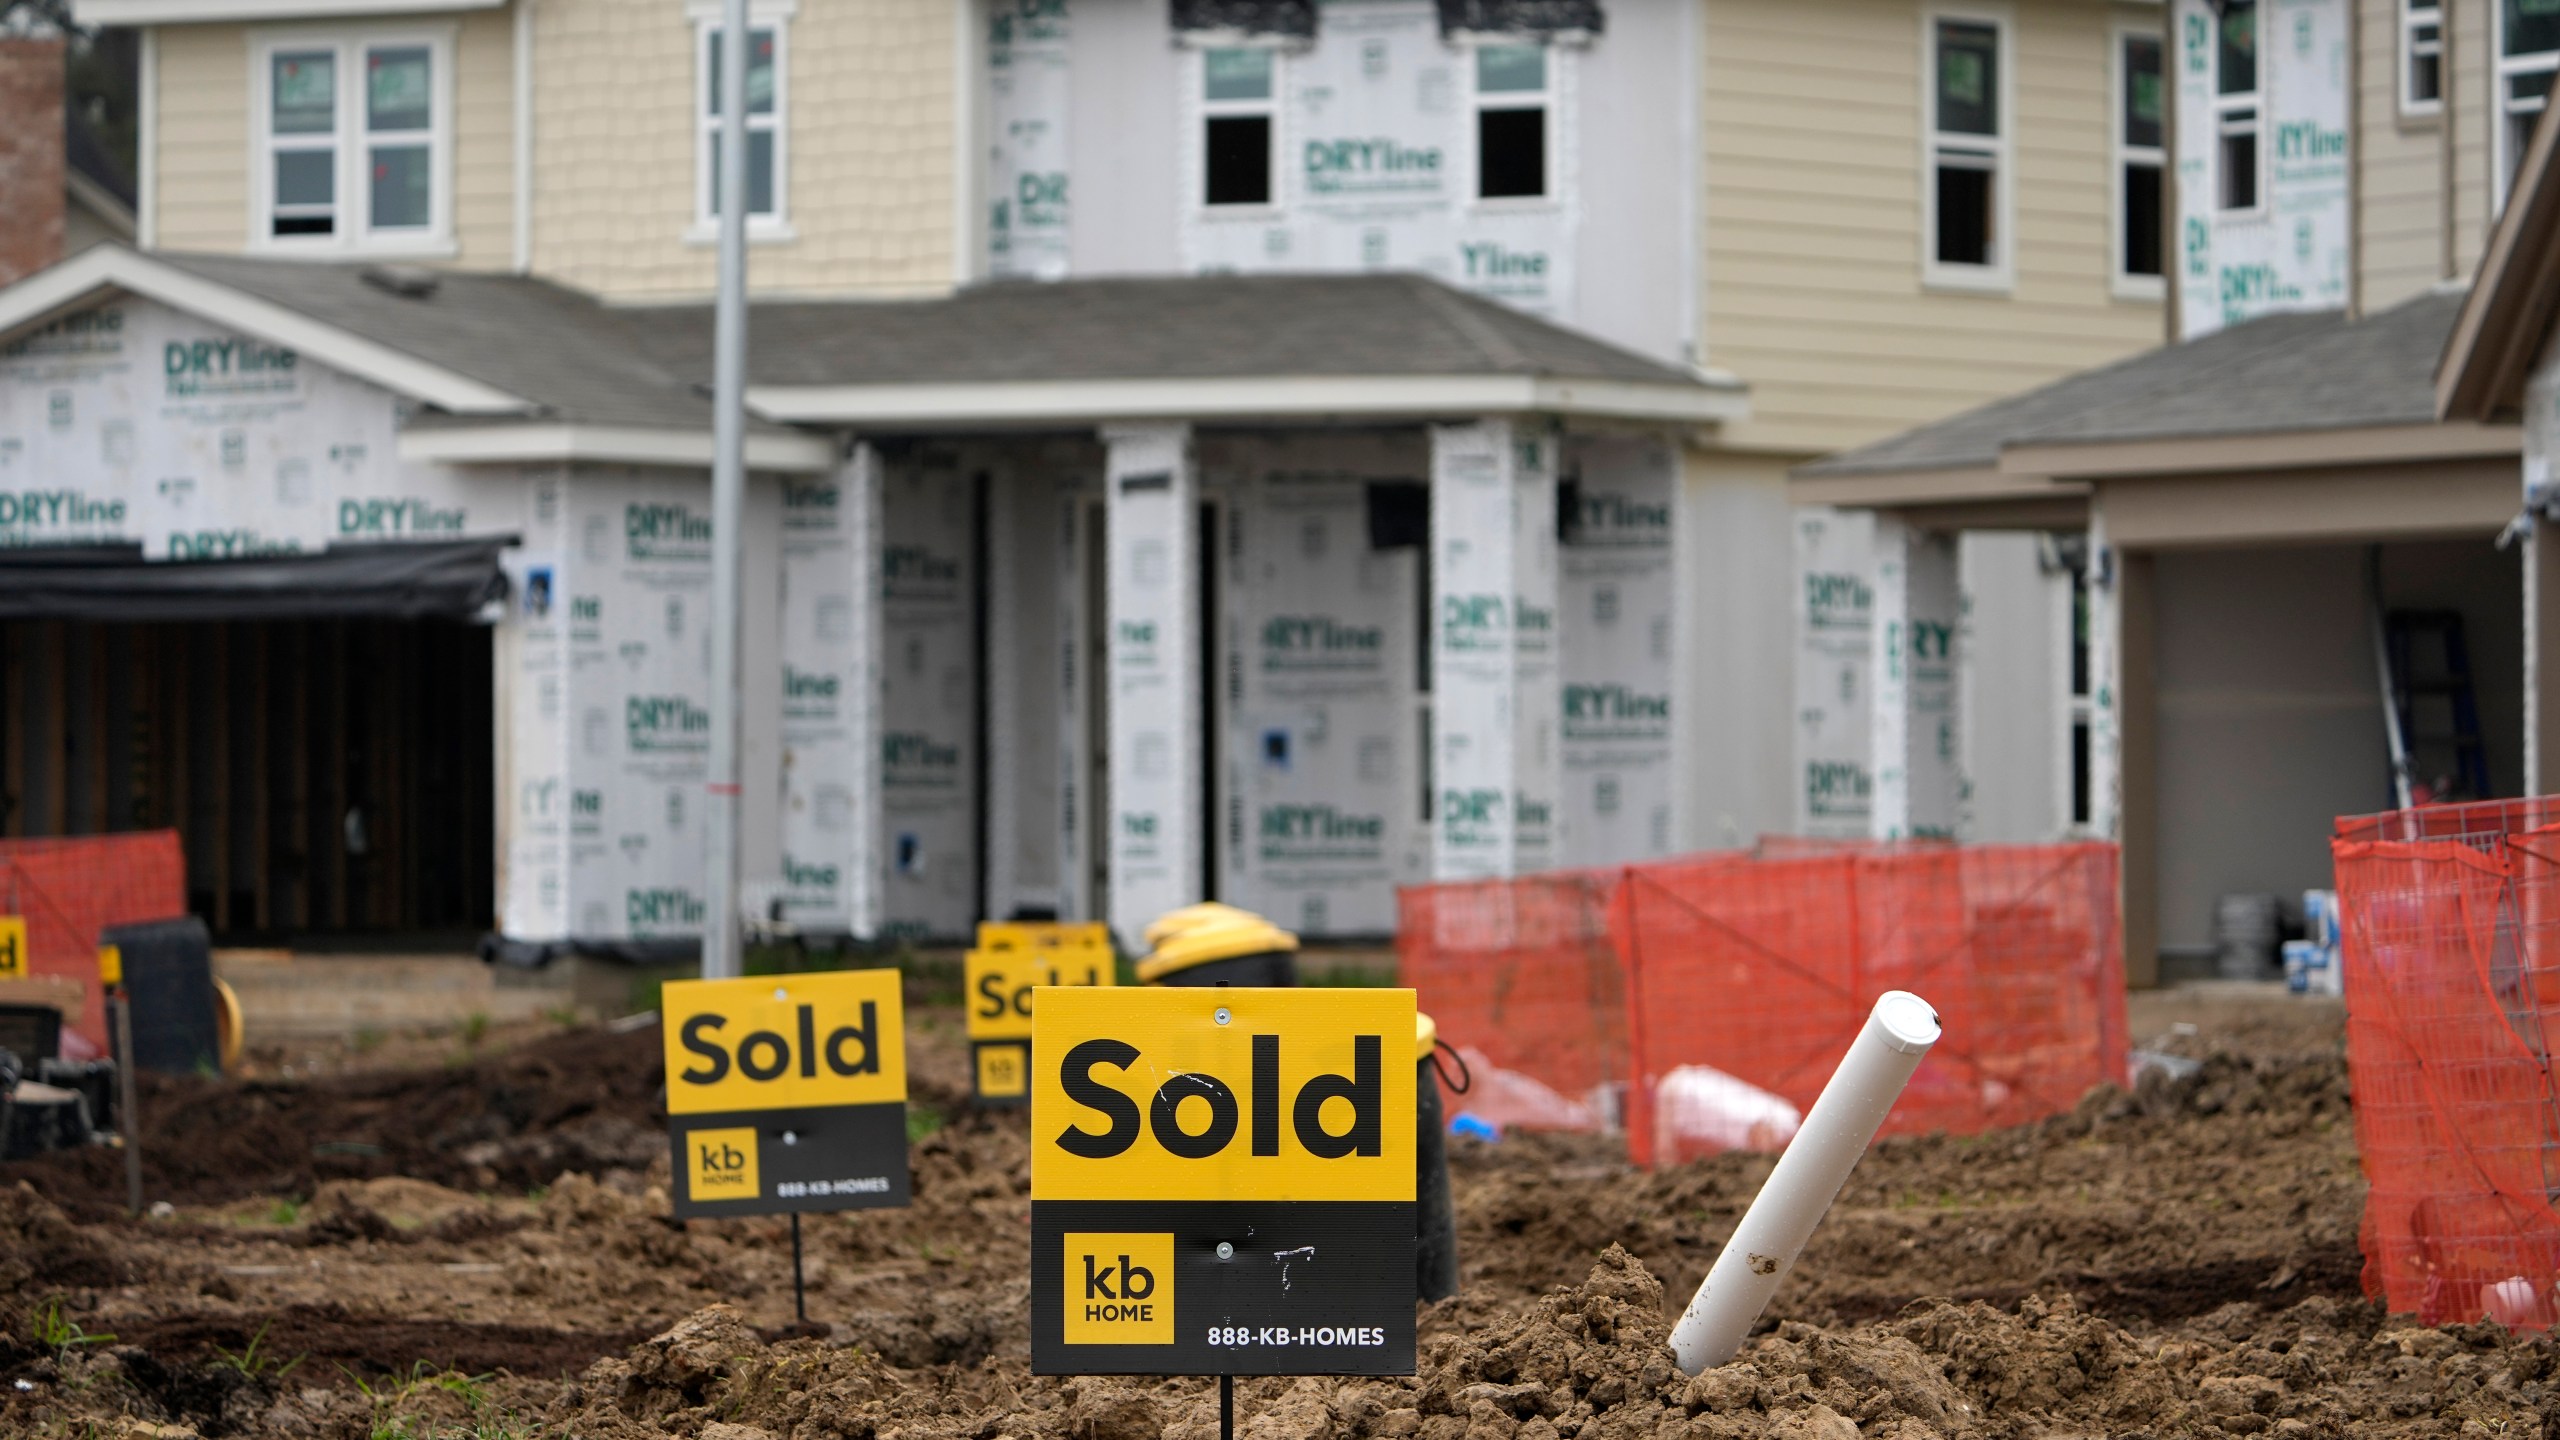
999, 984
1222, 1182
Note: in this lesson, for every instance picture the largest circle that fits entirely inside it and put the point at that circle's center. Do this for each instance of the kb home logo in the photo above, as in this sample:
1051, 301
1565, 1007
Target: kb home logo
201, 369
34, 517
1376, 166
664, 724
1614, 712
397, 517
665, 532
1303, 643
1320, 832
662, 907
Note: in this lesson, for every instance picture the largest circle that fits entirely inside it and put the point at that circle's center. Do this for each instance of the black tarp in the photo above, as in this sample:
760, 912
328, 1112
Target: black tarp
1521, 17
386, 580
1294, 19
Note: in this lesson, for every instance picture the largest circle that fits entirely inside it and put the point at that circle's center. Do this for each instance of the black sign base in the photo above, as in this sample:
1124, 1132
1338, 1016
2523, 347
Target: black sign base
780, 1162
1123, 1287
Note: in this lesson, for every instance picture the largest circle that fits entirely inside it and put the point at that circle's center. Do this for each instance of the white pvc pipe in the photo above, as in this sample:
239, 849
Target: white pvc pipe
1898, 1032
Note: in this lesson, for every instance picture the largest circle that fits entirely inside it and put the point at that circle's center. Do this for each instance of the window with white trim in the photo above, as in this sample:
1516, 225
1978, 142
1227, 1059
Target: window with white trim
2528, 52
1239, 93
2237, 129
2421, 57
354, 142
768, 133
1967, 186
2139, 162
1514, 96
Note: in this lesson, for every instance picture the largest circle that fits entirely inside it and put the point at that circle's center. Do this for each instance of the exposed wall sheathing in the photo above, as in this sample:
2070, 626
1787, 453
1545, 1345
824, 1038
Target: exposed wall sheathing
1495, 697
2288, 251
1322, 788
1614, 619
928, 694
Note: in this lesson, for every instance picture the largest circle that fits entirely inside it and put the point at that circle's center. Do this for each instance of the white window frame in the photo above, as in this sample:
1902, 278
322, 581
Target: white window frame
1999, 276
2502, 162
1268, 107
707, 17
2226, 109
2125, 284
1549, 100
354, 232
2414, 16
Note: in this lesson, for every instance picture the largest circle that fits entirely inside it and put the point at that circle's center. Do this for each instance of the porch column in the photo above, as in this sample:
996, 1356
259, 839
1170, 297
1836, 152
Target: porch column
1919, 777
2542, 657
2124, 741
1152, 609
832, 858
1495, 698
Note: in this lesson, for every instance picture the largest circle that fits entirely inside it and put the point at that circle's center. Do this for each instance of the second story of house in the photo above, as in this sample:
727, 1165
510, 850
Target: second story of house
1874, 212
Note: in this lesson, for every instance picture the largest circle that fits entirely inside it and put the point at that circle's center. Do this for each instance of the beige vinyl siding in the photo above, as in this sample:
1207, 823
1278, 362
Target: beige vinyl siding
2399, 175
1812, 140
484, 145
206, 133
870, 150
2473, 109
202, 116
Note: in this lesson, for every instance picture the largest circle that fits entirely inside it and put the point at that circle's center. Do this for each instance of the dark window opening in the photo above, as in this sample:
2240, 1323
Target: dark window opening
1239, 160
1964, 214
2240, 165
2142, 219
1511, 154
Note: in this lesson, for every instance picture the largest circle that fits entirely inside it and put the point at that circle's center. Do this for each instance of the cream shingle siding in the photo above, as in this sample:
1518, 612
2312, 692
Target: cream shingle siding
206, 134
2399, 179
1811, 134
871, 149
202, 115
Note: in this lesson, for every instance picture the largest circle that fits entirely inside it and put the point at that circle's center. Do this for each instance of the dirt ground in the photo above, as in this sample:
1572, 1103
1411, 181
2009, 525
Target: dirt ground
478, 1247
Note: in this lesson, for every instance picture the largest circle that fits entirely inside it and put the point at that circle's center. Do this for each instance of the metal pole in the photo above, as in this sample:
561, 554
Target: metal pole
799, 1286
130, 1110
720, 958
1226, 1407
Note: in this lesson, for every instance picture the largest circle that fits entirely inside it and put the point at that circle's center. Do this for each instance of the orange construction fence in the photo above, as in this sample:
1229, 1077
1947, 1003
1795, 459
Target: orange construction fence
2450, 940
1762, 965
68, 889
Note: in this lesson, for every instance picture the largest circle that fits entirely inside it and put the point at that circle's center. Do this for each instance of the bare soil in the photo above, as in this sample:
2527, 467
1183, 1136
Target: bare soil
480, 1247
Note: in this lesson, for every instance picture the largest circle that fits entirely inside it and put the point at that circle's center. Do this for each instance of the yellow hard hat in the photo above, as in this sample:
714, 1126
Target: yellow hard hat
1216, 938
1174, 922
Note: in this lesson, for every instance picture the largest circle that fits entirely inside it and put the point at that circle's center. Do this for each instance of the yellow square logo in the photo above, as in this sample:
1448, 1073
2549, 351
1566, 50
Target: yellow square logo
721, 1164
1119, 1290
1002, 1075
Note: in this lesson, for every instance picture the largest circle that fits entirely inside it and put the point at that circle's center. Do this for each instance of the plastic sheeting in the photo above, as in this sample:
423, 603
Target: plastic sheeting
416, 580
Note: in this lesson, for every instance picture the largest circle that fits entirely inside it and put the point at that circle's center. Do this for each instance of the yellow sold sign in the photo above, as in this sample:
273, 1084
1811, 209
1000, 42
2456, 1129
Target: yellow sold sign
1208, 1094
13, 947
1222, 1181
1000, 982
787, 1092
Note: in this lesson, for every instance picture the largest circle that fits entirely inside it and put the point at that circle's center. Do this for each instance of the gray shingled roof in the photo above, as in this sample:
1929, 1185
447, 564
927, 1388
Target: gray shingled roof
2278, 373
1184, 328
581, 360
